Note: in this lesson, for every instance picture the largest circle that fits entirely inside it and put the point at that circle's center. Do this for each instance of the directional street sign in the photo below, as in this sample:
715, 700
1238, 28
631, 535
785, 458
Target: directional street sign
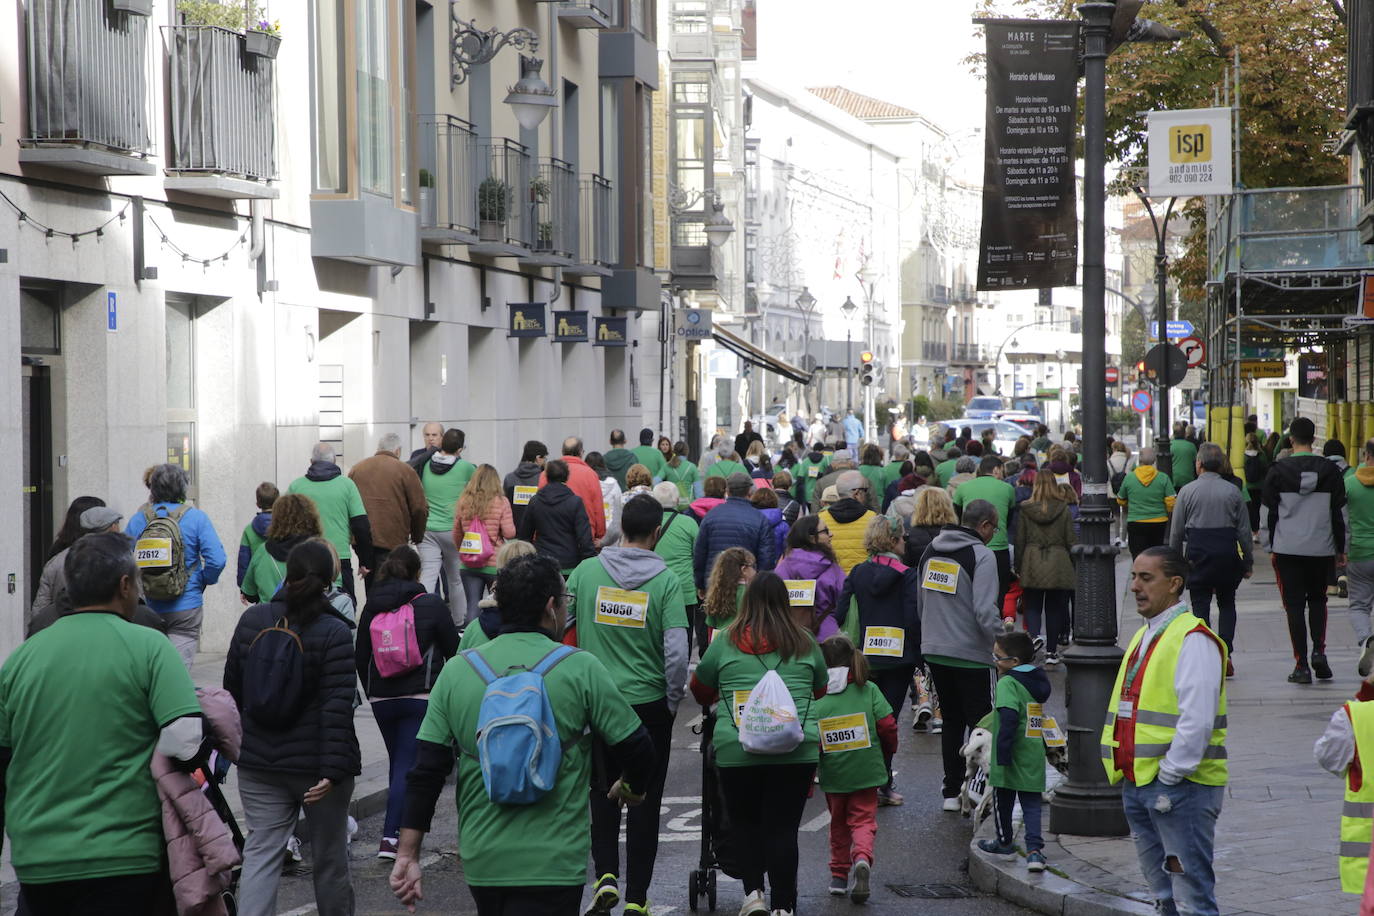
1141, 401
1195, 350
1176, 329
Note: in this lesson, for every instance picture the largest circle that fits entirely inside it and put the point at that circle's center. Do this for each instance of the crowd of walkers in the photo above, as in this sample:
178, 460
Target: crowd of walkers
840, 579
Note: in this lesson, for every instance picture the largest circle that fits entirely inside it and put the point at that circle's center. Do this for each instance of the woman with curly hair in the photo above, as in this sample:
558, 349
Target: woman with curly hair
295, 520
735, 568
638, 480
483, 498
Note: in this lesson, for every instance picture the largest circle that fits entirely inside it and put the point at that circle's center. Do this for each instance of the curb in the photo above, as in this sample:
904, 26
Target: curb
1049, 892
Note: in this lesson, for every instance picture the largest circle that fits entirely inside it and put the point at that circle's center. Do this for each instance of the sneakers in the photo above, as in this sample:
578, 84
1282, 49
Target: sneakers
1301, 675
950, 804
387, 849
606, 895
1038, 642
838, 886
1052, 658
1035, 861
293, 850
995, 848
937, 725
921, 716
1367, 657
888, 798
754, 905
636, 909
352, 828
783, 912
1319, 666
1230, 667
858, 881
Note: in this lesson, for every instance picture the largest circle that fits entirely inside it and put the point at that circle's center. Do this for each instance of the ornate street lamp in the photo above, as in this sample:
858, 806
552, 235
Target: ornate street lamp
470, 46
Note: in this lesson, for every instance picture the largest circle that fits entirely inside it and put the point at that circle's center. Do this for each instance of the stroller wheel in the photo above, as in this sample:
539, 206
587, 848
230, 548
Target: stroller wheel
711, 891
693, 890
231, 906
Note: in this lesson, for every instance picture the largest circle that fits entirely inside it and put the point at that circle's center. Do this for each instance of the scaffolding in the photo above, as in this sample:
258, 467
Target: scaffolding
1285, 270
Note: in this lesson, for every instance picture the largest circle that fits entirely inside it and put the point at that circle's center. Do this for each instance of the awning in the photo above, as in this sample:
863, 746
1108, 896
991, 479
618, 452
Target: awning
753, 355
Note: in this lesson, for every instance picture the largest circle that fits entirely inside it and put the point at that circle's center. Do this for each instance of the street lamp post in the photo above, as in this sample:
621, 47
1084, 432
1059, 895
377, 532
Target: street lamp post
1087, 804
849, 308
1163, 457
868, 279
807, 303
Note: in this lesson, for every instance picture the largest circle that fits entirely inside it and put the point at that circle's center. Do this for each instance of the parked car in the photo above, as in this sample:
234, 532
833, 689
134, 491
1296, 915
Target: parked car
985, 407
1005, 434
1027, 421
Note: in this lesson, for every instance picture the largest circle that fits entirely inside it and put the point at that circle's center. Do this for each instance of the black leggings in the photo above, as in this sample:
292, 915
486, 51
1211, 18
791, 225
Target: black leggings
965, 697
554, 900
121, 895
1302, 586
765, 803
893, 684
641, 831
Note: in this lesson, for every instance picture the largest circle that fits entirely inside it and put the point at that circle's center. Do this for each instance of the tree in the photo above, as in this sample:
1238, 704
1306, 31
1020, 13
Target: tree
1292, 92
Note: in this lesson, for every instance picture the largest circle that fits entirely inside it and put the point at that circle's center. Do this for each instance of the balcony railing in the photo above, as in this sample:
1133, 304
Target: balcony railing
1286, 230
221, 104
554, 199
505, 214
596, 241
935, 351
448, 178
88, 84
587, 14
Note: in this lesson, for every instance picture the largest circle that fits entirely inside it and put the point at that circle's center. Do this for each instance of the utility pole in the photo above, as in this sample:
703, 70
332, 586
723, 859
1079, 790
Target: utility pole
1163, 457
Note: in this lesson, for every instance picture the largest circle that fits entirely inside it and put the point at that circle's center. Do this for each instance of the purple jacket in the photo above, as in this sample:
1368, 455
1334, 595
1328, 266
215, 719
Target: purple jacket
807, 564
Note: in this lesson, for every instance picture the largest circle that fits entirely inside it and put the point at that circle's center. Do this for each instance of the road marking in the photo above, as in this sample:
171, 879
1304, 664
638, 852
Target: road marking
817, 822
310, 908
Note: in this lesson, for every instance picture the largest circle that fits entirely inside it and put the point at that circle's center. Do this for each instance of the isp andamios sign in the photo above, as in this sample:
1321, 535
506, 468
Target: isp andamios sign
1190, 152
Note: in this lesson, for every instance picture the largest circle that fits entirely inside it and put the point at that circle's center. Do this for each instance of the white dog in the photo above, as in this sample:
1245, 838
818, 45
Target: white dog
975, 798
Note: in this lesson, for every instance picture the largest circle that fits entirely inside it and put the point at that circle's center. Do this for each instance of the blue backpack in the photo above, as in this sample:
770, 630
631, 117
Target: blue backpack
517, 738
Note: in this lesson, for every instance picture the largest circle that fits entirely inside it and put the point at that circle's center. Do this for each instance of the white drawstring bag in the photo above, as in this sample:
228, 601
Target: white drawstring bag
769, 723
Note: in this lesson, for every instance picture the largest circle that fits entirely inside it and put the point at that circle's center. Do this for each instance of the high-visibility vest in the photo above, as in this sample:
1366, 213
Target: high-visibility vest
1357, 814
1145, 738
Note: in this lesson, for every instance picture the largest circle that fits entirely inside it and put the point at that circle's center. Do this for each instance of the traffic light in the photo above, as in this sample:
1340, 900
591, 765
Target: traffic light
866, 371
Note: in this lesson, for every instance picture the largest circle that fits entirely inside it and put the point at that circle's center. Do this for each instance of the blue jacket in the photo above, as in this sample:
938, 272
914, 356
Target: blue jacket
734, 523
853, 431
204, 555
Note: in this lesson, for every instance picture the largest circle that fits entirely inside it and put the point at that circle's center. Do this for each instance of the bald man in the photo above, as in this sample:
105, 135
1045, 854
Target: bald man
433, 432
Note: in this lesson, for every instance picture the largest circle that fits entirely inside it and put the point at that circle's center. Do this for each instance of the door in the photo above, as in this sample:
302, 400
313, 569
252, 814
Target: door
39, 523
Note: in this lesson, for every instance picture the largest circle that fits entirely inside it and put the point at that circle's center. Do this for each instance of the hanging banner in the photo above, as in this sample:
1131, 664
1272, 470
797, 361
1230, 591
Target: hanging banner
612, 332
1030, 214
570, 327
527, 320
1190, 152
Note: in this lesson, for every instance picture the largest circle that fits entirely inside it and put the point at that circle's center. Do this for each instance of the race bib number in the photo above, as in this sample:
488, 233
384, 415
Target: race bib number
845, 733
523, 495
472, 544
741, 699
942, 576
621, 608
153, 552
1035, 720
813, 471
800, 592
884, 641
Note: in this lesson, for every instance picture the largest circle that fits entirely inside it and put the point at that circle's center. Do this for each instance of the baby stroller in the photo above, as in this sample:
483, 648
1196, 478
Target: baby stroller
718, 851
211, 776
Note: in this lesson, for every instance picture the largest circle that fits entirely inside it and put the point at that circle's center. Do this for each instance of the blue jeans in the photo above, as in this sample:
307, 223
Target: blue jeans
1184, 830
398, 721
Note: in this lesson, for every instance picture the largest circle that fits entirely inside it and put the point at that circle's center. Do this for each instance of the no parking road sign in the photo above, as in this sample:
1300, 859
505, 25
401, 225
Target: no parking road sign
1195, 350
1142, 401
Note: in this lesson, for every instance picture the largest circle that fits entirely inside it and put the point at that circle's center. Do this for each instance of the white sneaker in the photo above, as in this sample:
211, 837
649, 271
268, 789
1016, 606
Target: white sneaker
782, 913
352, 828
754, 905
950, 804
293, 849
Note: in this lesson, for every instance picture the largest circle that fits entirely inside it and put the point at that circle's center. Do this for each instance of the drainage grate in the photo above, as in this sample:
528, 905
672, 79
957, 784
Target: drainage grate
932, 891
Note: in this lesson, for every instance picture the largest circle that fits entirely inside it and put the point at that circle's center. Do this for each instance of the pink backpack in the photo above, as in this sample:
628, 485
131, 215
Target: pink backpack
395, 650
476, 550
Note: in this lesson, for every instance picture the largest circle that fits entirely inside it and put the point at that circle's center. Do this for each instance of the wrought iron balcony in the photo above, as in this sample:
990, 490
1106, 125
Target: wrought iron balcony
89, 91
505, 212
553, 202
448, 179
223, 136
596, 220
587, 14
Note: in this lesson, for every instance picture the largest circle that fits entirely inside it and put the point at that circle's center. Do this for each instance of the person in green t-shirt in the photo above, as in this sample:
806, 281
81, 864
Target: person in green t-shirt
989, 485
892, 472
1149, 500
618, 458
83, 705
444, 476
1017, 770
764, 794
678, 471
255, 532
522, 858
1184, 455
727, 462
945, 469
295, 519
1359, 570
342, 515
648, 455
858, 737
625, 607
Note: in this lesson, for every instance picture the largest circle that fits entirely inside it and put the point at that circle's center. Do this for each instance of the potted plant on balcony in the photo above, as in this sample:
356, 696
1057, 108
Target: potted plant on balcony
429, 211
539, 190
493, 202
544, 241
262, 38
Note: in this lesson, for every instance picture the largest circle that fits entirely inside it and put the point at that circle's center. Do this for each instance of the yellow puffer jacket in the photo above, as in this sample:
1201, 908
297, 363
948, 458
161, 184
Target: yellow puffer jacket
847, 521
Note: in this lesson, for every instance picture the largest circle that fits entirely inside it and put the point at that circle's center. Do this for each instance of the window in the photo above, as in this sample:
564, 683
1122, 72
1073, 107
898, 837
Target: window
374, 34
181, 383
331, 175
39, 320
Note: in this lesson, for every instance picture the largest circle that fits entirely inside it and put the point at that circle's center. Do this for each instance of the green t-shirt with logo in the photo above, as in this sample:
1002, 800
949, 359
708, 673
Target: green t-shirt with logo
652, 459
624, 627
945, 470
1025, 771
546, 843
442, 492
81, 705
684, 476
337, 500
851, 754
996, 491
733, 672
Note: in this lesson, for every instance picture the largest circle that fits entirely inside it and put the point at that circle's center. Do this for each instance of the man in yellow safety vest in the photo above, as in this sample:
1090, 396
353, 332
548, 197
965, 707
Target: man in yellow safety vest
1166, 737
1345, 748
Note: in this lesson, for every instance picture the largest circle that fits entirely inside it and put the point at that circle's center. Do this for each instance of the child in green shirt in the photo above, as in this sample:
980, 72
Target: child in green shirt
858, 734
1017, 771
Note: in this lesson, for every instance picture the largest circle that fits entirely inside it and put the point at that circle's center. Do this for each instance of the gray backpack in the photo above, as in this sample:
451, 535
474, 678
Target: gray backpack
161, 554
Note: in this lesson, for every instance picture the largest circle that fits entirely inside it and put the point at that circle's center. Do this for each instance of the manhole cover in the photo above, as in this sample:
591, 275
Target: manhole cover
932, 891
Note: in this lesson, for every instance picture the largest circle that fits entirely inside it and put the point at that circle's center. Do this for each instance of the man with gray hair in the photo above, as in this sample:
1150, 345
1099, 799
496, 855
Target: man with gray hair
848, 518
342, 514
893, 471
842, 460
177, 595
52, 600
83, 705
394, 500
734, 523
1210, 516
960, 618
433, 433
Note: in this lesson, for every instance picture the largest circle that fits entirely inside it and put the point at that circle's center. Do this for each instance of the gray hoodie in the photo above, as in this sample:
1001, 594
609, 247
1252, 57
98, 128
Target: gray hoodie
963, 624
631, 567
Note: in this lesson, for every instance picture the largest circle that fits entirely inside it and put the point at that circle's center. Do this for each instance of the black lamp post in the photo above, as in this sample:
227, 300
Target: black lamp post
849, 308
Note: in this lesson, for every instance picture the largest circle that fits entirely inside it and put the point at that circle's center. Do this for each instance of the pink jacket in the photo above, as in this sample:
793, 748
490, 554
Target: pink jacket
498, 519
201, 853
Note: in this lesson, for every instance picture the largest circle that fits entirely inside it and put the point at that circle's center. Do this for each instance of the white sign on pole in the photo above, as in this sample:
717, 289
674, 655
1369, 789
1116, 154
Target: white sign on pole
1192, 380
694, 324
1190, 152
